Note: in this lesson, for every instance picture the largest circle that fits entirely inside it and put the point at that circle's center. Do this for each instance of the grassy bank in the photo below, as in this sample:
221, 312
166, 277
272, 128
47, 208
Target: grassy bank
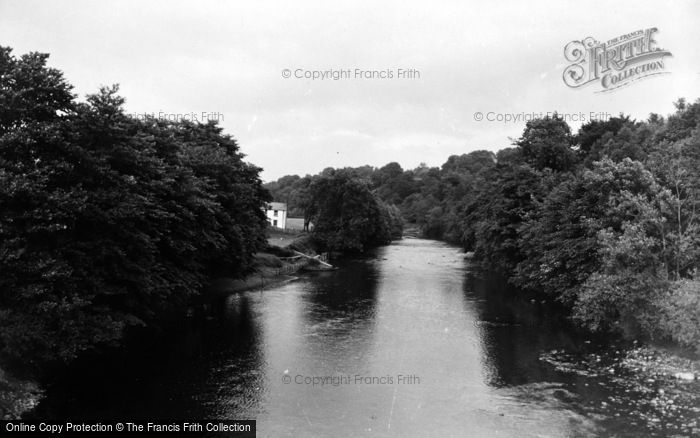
277, 264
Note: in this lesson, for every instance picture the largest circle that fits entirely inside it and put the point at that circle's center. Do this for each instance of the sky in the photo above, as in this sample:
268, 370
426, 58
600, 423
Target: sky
227, 60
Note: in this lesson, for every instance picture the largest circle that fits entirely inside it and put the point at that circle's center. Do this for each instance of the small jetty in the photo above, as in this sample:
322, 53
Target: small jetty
317, 262
307, 262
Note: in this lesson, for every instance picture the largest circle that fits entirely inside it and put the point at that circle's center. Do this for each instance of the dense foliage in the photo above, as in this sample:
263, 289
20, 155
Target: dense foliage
605, 219
108, 221
347, 215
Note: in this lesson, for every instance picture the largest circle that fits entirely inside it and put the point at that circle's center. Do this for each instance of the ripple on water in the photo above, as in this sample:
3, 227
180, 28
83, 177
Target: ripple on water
629, 391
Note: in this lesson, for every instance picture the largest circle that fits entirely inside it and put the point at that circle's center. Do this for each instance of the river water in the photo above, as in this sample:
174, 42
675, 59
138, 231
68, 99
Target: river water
404, 342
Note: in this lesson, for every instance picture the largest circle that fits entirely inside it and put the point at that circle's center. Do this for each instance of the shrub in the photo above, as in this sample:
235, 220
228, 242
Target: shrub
681, 313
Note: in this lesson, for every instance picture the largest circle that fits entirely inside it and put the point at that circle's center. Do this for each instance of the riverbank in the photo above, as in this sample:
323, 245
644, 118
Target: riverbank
17, 396
358, 319
277, 264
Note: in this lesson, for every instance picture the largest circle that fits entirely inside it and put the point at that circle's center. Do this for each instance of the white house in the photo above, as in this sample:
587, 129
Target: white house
277, 214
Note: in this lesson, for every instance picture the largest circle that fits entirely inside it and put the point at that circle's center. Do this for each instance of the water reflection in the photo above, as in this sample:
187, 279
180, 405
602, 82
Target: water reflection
235, 384
515, 329
405, 342
203, 372
316, 328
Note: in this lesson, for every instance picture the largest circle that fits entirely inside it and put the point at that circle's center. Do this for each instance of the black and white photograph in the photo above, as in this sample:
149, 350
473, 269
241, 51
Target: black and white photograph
350, 218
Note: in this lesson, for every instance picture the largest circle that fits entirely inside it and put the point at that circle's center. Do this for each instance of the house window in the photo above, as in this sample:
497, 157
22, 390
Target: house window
274, 223
275, 213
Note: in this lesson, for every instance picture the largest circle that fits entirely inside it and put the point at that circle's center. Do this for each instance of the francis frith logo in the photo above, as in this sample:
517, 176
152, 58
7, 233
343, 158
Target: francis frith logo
616, 62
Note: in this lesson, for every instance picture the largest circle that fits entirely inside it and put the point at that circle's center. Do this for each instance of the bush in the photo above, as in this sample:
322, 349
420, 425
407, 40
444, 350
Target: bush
267, 260
625, 301
681, 313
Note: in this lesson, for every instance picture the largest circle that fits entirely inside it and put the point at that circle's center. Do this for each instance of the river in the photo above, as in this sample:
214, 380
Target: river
404, 342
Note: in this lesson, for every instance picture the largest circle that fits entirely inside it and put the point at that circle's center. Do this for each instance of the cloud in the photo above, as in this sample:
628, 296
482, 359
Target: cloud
228, 57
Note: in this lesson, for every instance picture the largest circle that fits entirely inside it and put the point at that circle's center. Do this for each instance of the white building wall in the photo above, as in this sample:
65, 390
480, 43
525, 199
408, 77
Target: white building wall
280, 217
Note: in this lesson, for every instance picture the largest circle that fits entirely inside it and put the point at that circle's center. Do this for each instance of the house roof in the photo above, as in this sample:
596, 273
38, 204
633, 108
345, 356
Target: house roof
277, 206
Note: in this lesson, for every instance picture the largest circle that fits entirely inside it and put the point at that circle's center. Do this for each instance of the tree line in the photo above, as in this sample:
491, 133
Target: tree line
605, 219
108, 222
345, 212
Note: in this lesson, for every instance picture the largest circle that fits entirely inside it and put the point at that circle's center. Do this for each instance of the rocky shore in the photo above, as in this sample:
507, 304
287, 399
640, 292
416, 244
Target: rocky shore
660, 387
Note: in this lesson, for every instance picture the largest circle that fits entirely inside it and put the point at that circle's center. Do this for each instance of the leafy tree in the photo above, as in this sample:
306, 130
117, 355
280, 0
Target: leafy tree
547, 143
108, 222
592, 135
680, 125
680, 313
348, 216
394, 220
392, 184
559, 239
30, 92
491, 219
624, 294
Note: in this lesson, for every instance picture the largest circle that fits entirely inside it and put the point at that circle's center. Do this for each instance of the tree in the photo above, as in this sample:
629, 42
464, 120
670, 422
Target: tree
392, 184
624, 294
590, 136
108, 222
559, 239
348, 216
547, 143
491, 219
30, 92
